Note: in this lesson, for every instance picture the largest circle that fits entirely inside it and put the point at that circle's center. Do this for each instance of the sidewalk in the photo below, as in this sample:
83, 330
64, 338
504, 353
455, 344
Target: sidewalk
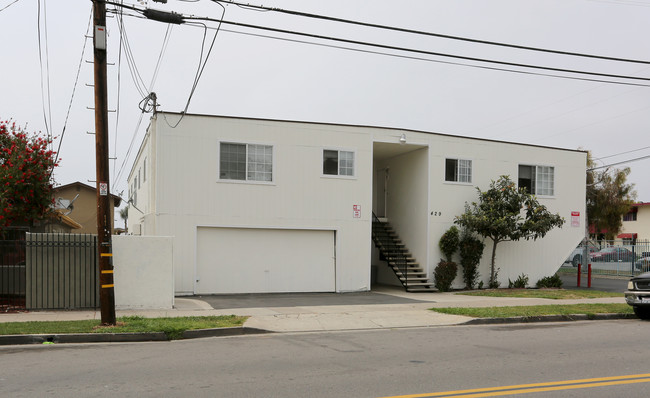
334, 312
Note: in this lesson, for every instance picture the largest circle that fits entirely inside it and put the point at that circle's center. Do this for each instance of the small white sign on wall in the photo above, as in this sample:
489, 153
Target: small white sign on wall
356, 211
575, 218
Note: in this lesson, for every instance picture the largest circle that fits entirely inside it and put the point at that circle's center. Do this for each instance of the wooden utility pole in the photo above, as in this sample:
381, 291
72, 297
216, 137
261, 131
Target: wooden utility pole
106, 291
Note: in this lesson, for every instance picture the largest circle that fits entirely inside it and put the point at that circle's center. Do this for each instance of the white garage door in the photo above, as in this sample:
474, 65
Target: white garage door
247, 260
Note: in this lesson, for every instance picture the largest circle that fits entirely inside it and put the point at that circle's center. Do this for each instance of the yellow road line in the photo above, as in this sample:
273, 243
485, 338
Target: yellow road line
536, 387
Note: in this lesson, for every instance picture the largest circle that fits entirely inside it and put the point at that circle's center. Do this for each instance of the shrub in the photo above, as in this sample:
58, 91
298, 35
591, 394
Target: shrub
471, 251
449, 242
550, 281
520, 283
444, 275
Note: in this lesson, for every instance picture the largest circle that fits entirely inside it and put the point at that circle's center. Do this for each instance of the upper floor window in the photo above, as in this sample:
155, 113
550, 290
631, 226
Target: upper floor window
246, 162
538, 180
458, 170
630, 215
338, 163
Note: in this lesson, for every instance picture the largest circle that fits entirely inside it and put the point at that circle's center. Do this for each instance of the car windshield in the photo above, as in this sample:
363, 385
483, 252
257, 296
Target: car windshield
608, 250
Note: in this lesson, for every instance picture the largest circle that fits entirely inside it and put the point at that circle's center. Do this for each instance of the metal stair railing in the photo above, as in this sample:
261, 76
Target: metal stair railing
389, 249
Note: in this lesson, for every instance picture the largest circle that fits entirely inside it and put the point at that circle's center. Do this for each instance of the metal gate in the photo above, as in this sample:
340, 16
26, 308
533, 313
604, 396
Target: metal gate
61, 271
12, 269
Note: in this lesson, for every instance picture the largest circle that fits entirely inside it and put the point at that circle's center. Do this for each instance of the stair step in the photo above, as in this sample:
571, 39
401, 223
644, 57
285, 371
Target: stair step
414, 279
397, 260
394, 252
420, 290
411, 274
420, 284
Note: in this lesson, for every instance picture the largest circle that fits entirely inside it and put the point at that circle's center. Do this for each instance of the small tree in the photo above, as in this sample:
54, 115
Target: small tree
470, 249
609, 197
26, 166
124, 214
445, 272
449, 242
504, 213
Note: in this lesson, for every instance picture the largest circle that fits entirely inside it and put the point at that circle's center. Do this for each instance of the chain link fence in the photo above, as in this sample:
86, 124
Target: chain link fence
617, 257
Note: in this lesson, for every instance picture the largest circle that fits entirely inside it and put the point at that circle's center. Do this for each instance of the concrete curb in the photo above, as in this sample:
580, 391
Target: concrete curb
548, 318
64, 338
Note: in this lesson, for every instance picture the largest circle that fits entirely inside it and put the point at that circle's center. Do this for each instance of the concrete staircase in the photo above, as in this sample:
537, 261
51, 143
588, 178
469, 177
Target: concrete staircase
395, 253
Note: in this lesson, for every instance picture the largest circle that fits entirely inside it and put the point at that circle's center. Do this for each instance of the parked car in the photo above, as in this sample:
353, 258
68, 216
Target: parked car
575, 257
638, 295
613, 253
643, 264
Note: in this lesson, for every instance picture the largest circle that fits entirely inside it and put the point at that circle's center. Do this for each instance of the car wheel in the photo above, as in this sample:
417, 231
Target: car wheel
642, 312
576, 260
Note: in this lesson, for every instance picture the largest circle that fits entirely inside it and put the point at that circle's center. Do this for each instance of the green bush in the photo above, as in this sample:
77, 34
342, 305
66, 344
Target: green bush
550, 281
444, 275
520, 283
471, 250
449, 242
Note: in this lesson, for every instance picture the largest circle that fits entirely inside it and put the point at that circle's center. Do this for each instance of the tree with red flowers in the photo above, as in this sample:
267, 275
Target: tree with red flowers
26, 165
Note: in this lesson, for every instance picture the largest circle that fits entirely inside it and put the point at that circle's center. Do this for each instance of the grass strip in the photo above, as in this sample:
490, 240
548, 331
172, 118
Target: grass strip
555, 294
536, 310
172, 327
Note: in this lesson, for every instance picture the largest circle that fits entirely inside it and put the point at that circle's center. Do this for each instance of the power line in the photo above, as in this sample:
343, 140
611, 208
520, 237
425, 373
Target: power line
200, 69
417, 51
140, 86
126, 157
424, 59
74, 89
622, 153
9, 5
45, 85
144, 102
397, 48
432, 34
618, 163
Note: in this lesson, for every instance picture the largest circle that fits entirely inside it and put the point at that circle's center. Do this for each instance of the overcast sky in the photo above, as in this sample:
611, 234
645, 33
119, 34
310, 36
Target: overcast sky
309, 80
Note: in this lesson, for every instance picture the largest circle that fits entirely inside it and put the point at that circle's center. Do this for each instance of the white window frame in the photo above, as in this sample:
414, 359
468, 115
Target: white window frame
338, 166
246, 180
536, 168
458, 160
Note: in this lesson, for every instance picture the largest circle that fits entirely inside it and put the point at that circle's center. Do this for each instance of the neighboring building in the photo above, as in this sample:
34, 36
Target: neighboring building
636, 224
279, 206
84, 205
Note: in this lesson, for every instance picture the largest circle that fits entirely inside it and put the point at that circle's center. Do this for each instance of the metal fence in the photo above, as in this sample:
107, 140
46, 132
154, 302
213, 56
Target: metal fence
12, 269
619, 257
61, 271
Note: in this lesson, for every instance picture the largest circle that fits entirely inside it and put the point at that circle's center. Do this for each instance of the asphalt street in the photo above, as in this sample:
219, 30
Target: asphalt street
574, 357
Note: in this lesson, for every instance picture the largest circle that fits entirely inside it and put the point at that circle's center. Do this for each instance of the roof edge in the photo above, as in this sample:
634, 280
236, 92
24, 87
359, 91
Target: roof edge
371, 126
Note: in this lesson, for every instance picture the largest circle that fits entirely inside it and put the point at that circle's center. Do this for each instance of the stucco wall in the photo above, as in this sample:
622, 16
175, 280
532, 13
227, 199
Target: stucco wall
188, 194
144, 272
